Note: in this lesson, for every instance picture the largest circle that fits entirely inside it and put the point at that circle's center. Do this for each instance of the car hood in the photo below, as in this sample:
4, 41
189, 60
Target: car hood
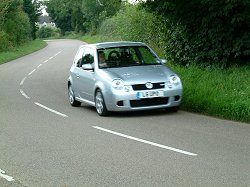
136, 74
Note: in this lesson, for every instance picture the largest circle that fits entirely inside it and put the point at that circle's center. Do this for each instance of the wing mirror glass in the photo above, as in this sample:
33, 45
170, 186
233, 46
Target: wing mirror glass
164, 61
87, 67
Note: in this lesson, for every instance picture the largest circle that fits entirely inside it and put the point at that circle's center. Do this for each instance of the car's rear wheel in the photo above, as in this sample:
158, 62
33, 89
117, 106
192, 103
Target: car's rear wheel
100, 104
72, 99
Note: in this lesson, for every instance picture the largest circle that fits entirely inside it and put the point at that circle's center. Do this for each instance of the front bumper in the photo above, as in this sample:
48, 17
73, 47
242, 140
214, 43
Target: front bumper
116, 100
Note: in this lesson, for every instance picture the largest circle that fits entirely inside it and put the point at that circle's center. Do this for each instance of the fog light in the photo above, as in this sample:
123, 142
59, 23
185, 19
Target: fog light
177, 98
120, 103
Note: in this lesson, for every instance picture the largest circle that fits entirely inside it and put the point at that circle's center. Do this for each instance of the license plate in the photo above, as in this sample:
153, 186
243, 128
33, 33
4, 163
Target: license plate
150, 94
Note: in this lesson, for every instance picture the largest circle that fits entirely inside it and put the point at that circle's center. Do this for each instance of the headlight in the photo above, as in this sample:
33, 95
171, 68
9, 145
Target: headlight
118, 84
174, 79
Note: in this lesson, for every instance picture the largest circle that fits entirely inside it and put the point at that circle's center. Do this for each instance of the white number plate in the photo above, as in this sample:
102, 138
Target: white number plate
150, 94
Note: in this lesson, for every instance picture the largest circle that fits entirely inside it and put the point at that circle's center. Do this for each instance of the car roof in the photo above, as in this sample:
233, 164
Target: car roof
115, 44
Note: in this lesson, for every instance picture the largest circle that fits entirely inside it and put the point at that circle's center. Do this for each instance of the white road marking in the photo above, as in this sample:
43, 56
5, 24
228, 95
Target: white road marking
3, 175
145, 141
39, 65
2, 171
55, 55
32, 71
21, 83
45, 61
51, 110
24, 94
58, 53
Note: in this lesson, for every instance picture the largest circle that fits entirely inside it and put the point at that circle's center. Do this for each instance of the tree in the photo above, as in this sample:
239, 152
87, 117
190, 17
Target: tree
80, 16
33, 10
61, 13
14, 26
4, 5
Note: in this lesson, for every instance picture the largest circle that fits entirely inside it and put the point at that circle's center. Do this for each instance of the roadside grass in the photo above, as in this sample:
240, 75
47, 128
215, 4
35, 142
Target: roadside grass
223, 93
216, 92
22, 50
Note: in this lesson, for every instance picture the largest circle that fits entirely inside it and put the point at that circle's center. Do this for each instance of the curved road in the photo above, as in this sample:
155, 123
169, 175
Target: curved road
46, 142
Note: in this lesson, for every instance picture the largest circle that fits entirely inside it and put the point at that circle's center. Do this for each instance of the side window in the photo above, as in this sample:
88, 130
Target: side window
78, 57
88, 56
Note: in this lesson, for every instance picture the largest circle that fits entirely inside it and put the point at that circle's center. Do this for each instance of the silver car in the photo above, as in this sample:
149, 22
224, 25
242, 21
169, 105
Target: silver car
122, 76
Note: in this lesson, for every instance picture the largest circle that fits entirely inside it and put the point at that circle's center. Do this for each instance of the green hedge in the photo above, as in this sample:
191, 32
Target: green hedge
206, 32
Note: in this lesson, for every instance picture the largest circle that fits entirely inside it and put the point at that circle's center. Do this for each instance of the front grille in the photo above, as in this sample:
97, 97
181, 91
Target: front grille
158, 85
149, 102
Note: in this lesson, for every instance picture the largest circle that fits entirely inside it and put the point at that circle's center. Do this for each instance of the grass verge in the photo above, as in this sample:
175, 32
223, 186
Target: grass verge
215, 92
22, 50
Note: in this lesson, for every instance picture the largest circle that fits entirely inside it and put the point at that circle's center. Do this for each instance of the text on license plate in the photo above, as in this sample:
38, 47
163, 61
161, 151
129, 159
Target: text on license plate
150, 94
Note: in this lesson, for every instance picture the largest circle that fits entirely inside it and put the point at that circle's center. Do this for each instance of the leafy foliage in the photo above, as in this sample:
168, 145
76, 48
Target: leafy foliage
80, 16
33, 10
61, 12
132, 23
46, 32
205, 31
16, 26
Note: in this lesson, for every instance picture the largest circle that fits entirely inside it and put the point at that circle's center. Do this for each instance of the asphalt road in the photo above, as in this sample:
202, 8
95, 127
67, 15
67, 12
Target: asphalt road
46, 142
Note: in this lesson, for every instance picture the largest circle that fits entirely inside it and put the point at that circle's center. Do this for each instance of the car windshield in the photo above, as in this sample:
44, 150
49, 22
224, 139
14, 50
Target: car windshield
126, 56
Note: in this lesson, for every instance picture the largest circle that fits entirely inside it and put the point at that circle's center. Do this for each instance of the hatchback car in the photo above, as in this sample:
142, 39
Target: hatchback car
122, 76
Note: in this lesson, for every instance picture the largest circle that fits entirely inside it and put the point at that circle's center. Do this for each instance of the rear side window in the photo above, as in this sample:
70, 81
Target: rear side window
84, 56
78, 57
88, 56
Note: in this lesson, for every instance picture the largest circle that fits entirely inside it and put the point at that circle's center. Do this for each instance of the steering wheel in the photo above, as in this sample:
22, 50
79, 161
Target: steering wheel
111, 55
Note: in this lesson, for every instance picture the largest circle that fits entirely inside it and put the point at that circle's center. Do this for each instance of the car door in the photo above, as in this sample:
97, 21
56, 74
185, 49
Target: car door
86, 80
76, 70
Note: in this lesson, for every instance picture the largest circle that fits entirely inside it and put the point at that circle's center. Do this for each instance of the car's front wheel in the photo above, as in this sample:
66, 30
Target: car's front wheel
100, 104
72, 100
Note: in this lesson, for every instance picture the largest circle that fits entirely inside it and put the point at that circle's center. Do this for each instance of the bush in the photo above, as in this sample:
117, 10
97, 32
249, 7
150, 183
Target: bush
17, 25
134, 24
46, 32
205, 31
5, 44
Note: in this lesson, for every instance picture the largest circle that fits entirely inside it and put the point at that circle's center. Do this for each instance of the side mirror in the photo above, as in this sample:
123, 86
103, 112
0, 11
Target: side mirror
87, 67
164, 61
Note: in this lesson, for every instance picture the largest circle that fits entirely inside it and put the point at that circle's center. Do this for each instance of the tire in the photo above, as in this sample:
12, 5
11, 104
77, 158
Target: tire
100, 104
72, 99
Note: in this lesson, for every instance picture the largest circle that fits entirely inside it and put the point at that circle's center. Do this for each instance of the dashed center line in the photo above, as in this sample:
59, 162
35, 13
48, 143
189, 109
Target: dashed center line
32, 72
146, 142
39, 65
36, 103
22, 82
51, 110
24, 94
7, 177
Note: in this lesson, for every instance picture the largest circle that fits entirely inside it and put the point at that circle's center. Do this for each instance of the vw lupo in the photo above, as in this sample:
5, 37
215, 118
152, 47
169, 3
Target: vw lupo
122, 76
